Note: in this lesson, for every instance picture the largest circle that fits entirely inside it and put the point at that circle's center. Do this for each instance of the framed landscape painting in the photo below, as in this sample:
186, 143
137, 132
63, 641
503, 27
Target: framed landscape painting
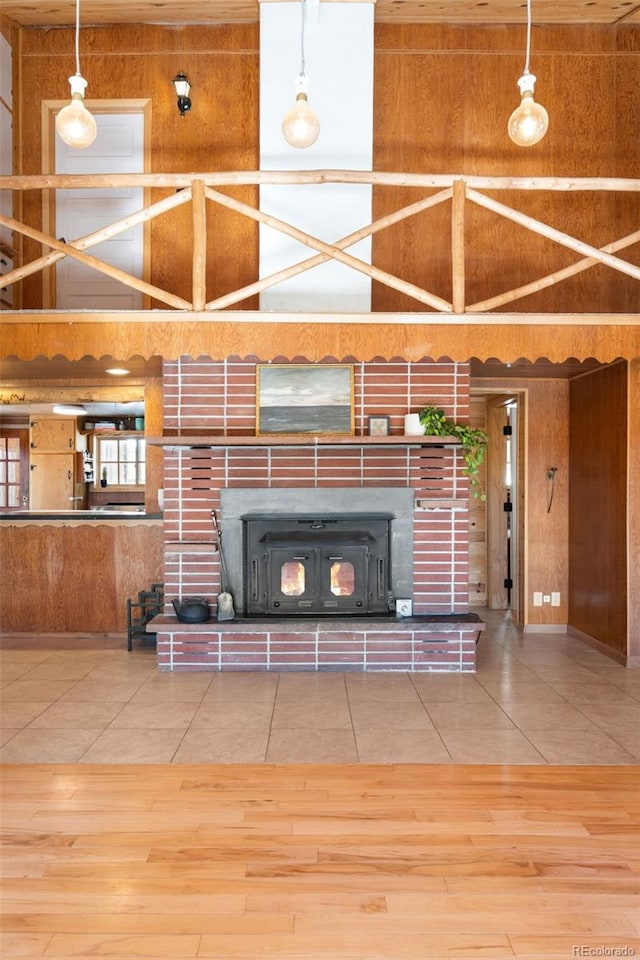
304, 398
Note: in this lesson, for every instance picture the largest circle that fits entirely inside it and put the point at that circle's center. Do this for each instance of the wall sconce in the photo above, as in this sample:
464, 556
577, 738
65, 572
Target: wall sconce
301, 126
529, 122
182, 86
74, 124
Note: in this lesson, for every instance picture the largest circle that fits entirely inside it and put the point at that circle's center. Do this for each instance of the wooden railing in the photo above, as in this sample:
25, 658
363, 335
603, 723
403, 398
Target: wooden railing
201, 189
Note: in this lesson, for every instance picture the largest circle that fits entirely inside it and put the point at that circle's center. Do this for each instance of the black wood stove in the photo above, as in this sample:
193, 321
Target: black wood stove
327, 564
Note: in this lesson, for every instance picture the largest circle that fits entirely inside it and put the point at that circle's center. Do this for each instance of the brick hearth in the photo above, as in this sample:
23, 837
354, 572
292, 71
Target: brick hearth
414, 643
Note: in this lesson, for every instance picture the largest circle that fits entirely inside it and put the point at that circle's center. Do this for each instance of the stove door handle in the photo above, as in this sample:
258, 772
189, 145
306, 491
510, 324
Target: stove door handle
254, 579
381, 578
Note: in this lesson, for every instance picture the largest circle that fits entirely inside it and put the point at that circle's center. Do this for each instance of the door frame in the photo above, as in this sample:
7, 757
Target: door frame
495, 498
49, 109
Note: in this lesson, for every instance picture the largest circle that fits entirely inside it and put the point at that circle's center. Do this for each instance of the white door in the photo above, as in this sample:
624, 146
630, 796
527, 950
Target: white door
118, 148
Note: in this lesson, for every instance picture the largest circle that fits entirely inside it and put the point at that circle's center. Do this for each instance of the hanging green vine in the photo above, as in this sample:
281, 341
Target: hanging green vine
473, 442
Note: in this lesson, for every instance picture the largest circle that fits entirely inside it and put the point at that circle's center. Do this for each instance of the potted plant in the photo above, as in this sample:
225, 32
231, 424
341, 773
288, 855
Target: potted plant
473, 442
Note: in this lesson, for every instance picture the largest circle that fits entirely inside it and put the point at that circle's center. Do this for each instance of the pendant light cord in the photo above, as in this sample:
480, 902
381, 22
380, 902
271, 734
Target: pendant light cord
78, 38
303, 20
526, 66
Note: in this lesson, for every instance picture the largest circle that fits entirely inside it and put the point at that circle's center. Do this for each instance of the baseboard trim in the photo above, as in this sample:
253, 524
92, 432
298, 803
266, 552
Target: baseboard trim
603, 648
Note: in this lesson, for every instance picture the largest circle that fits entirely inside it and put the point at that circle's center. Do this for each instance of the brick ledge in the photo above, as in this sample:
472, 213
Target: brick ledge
445, 622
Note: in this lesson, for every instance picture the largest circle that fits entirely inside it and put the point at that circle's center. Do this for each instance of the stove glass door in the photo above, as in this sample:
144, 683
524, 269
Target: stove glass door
317, 580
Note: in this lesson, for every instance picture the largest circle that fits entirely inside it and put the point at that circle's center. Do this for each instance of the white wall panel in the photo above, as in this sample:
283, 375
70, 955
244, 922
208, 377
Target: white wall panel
339, 68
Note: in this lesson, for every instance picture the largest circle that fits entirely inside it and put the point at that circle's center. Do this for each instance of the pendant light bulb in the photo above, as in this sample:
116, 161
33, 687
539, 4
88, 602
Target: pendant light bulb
529, 121
301, 126
74, 124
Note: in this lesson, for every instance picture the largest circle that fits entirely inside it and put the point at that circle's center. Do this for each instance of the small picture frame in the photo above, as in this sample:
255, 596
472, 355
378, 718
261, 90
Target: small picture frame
378, 426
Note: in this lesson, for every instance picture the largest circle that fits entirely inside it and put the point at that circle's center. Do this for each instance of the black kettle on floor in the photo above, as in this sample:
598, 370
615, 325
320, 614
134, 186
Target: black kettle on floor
192, 609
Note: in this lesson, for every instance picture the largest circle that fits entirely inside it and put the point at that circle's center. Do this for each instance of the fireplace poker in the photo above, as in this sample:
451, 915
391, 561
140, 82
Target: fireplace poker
225, 599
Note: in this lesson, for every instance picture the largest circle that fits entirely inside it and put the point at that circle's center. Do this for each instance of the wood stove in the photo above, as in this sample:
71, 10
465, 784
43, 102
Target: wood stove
316, 565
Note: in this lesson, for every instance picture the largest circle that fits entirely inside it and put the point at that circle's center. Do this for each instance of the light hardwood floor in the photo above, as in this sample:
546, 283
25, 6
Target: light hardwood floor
347, 862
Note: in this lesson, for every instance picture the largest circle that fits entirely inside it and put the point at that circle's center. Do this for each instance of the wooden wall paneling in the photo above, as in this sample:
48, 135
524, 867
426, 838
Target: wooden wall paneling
58, 584
85, 584
547, 529
69, 578
627, 214
627, 118
633, 519
442, 100
220, 132
442, 97
33, 558
141, 549
419, 125
598, 506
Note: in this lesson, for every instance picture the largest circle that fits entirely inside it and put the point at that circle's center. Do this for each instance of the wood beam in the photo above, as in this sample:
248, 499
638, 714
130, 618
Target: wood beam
507, 337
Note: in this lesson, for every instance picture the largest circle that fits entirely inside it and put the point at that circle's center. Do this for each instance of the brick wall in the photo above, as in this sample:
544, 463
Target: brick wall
205, 397
220, 396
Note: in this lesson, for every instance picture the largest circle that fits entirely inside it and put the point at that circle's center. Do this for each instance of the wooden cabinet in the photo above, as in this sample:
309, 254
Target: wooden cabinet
53, 434
55, 469
52, 477
76, 575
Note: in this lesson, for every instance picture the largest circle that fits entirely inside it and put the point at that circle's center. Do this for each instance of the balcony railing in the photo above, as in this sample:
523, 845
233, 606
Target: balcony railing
203, 191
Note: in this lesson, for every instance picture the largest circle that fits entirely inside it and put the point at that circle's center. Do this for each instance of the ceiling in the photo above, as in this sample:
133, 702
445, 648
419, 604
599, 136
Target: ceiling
44, 13
59, 368
74, 381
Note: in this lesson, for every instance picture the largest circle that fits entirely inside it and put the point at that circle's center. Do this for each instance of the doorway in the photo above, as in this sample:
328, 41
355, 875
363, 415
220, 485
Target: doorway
496, 533
119, 147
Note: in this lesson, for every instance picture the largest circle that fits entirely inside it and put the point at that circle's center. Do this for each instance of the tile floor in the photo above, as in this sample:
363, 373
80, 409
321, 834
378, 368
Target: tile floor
536, 698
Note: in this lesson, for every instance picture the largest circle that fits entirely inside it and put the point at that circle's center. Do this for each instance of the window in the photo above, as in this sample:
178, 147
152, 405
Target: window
120, 461
10, 479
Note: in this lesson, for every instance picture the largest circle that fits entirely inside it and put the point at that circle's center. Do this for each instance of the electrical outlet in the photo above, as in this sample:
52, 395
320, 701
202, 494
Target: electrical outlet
546, 598
537, 599
555, 599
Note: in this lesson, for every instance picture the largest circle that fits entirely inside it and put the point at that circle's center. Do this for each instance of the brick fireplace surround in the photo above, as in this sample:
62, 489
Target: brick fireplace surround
207, 398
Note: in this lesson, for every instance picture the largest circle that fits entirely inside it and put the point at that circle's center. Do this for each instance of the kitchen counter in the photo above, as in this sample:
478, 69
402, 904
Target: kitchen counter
66, 515
73, 571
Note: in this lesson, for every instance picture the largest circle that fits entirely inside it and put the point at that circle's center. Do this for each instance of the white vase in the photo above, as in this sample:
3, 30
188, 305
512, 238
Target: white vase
412, 425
